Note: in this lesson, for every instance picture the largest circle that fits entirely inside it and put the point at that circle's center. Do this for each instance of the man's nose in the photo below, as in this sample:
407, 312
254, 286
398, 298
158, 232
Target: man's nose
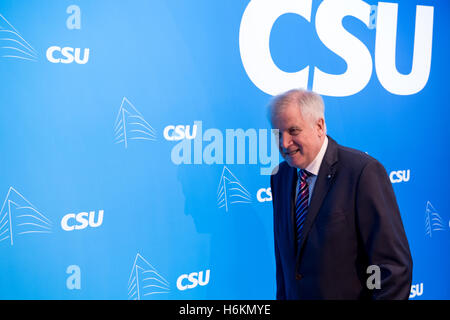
285, 140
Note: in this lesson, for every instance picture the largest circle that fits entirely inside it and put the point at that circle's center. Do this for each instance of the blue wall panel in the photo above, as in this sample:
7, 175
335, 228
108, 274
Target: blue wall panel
99, 203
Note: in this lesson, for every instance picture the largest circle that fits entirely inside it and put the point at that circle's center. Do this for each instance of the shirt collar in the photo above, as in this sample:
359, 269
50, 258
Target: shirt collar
314, 166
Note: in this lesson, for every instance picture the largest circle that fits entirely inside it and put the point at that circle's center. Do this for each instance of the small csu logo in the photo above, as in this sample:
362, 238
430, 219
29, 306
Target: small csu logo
416, 290
191, 280
398, 176
180, 132
82, 220
67, 55
264, 195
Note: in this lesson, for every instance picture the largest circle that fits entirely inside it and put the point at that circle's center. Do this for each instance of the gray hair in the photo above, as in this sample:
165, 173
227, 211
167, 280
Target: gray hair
310, 103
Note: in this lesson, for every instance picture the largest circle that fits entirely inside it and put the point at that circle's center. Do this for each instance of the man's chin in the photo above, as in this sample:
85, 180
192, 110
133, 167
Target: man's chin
293, 162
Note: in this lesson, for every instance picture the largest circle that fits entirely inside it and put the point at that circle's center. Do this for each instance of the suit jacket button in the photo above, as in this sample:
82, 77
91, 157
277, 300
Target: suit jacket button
298, 276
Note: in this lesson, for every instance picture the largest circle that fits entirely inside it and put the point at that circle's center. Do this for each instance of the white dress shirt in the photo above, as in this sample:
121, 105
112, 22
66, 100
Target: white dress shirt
313, 168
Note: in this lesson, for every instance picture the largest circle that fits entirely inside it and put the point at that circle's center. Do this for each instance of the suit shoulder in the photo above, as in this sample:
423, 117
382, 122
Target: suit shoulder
280, 171
356, 158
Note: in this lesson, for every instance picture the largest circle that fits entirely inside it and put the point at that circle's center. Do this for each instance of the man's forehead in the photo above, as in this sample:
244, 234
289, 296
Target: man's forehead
289, 118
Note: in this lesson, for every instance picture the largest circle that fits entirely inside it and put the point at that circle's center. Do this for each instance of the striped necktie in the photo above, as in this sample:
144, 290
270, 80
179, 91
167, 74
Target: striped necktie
301, 203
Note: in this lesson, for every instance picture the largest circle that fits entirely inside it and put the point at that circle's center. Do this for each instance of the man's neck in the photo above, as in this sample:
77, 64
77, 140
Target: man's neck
314, 166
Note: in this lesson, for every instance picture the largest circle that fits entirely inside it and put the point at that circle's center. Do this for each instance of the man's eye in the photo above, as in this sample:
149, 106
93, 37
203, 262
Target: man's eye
294, 131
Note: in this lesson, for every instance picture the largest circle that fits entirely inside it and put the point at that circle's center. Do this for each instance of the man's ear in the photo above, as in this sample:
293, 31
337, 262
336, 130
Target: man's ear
320, 125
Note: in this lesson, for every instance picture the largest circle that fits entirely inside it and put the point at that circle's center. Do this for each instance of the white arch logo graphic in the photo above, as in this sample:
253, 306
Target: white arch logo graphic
19, 216
131, 125
231, 191
13, 45
145, 280
433, 221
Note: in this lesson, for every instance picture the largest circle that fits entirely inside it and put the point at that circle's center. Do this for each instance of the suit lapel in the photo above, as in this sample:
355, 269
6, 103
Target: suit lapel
324, 180
290, 194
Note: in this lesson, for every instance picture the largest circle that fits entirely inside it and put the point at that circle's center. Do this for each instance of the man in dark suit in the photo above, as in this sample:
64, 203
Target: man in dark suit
337, 227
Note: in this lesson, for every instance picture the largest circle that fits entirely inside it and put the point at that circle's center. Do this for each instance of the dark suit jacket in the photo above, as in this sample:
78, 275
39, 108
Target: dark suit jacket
353, 221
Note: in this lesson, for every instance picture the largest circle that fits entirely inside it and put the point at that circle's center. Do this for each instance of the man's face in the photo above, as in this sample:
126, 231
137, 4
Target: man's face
300, 139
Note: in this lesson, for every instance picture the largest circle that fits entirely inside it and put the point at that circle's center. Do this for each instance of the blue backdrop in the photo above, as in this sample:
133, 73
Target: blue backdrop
124, 173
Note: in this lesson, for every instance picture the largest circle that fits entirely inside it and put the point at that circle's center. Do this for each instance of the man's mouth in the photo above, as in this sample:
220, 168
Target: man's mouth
291, 153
